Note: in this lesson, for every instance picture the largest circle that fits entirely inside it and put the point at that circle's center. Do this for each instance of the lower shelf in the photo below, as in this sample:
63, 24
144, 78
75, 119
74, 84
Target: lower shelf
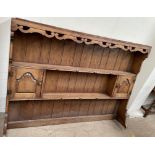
75, 96
55, 121
78, 96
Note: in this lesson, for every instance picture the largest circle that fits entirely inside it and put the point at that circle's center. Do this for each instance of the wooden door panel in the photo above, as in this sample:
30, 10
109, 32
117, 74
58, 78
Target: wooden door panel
25, 82
123, 86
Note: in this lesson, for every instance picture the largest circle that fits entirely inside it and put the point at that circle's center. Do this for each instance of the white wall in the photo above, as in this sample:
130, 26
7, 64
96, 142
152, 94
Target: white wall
4, 58
138, 30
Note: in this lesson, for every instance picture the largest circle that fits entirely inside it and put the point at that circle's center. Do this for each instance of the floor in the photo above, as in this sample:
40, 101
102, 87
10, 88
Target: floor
137, 127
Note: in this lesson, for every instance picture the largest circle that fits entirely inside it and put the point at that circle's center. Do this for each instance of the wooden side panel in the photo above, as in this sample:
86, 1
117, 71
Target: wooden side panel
112, 82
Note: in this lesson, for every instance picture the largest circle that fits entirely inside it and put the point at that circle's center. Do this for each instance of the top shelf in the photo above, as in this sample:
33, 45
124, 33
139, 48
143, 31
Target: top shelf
70, 68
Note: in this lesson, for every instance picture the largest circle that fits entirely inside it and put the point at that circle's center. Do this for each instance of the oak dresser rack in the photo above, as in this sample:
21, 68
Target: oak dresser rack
62, 76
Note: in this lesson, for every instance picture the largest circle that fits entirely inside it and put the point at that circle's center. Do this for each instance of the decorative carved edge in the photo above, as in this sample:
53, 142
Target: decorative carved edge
124, 82
77, 39
28, 74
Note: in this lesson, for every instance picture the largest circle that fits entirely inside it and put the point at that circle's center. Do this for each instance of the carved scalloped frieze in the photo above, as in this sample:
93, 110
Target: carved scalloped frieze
49, 34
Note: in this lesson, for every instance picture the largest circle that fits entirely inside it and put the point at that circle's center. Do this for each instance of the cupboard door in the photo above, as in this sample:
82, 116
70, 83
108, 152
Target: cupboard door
123, 86
25, 83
